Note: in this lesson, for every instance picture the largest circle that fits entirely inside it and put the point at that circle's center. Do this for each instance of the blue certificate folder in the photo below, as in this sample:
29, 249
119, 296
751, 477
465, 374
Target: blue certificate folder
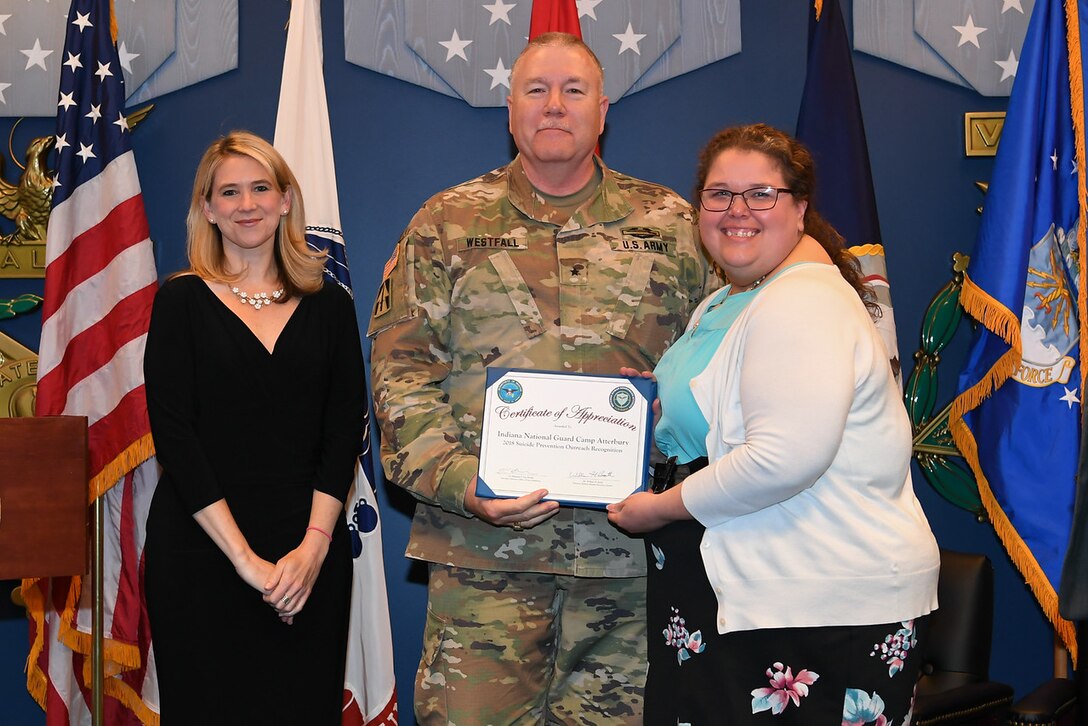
583, 437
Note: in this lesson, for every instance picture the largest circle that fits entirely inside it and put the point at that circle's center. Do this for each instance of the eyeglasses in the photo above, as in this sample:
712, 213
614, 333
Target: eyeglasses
758, 199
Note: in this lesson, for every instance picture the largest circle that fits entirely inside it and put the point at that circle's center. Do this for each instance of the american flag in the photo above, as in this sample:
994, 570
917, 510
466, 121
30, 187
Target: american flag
99, 284
304, 138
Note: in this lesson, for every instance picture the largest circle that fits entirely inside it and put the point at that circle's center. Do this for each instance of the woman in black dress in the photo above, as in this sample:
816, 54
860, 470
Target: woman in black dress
255, 379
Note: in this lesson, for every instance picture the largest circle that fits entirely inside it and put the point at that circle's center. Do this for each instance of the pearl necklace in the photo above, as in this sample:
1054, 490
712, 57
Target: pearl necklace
258, 299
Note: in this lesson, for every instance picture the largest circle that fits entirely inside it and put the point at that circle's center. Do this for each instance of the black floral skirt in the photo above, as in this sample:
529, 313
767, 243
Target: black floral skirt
849, 675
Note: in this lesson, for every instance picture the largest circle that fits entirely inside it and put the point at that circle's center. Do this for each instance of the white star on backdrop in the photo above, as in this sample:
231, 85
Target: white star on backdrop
2, 19
499, 11
1012, 5
455, 46
629, 40
1009, 66
1070, 397
36, 56
969, 33
83, 21
587, 8
2, 87
126, 57
500, 75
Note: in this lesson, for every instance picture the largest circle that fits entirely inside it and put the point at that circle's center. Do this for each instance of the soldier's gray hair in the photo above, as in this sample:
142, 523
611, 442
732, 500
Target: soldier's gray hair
560, 40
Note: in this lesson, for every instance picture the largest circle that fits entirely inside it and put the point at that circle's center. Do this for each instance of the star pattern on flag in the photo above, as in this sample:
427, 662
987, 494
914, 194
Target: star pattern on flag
629, 39
500, 75
84, 146
36, 56
1008, 66
969, 32
1070, 397
83, 21
499, 11
455, 47
588, 8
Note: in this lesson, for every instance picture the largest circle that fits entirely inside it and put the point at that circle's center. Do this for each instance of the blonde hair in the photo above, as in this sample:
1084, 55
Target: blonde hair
300, 267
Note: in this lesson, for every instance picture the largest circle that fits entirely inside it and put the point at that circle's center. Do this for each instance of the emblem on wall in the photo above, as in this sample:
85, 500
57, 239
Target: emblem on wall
26, 203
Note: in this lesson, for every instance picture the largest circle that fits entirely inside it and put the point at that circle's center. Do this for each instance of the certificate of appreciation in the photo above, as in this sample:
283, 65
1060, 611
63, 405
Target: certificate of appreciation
584, 438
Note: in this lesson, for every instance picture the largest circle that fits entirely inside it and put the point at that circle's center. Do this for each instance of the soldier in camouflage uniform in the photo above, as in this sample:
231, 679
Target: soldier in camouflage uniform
536, 611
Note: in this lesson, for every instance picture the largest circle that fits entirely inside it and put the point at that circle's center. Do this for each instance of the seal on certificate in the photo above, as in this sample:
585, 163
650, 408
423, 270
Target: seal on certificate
510, 391
622, 399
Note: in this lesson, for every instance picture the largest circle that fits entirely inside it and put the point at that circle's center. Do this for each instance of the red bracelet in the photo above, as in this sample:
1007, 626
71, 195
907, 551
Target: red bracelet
318, 529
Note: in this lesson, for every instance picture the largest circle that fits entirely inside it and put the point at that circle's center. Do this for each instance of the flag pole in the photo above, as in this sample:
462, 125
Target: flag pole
98, 614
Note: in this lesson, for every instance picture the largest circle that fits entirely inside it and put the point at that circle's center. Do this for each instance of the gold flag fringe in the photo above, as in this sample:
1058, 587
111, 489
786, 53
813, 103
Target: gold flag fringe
118, 656
1018, 550
1003, 322
819, 5
134, 454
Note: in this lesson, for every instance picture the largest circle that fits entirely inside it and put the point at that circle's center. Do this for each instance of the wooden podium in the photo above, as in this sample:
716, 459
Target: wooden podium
43, 496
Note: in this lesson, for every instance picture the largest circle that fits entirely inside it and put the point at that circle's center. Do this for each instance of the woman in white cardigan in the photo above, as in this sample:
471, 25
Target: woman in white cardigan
791, 564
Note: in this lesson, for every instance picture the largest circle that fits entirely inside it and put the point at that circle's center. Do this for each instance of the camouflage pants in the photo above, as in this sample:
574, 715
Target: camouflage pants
505, 648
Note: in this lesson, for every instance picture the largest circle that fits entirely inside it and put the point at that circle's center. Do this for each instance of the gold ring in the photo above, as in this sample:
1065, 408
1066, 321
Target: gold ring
517, 527
287, 600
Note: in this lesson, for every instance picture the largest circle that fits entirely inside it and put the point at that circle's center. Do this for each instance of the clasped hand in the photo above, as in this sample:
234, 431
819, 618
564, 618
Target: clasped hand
286, 585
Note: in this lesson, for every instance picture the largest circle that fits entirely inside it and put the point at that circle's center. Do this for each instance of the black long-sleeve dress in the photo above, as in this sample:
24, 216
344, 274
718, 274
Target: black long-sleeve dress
262, 430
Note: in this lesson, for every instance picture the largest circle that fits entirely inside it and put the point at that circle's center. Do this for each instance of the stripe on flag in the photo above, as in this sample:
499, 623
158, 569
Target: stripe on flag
99, 283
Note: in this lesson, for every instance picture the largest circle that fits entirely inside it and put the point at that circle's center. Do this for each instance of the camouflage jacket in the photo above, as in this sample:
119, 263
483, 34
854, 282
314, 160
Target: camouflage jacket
483, 276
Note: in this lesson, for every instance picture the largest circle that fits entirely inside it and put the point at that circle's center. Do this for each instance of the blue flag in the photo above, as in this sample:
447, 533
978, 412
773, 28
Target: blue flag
1016, 417
830, 125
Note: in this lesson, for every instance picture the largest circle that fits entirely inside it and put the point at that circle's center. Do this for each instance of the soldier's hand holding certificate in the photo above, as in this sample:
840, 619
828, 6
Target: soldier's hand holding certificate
584, 438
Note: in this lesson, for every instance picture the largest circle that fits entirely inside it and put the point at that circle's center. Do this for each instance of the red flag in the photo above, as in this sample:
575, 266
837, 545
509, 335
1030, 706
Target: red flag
554, 16
99, 284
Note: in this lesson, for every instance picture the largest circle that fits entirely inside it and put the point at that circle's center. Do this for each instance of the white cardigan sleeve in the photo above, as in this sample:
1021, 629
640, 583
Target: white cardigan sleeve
798, 357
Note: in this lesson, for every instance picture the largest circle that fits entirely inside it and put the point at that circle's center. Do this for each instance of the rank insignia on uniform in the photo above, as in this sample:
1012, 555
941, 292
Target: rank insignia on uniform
383, 303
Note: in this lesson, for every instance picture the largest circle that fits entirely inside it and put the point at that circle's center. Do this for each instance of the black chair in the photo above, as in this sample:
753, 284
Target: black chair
1054, 703
955, 685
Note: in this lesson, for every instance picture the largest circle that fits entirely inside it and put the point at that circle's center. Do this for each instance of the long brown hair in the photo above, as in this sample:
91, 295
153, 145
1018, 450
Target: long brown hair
799, 170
